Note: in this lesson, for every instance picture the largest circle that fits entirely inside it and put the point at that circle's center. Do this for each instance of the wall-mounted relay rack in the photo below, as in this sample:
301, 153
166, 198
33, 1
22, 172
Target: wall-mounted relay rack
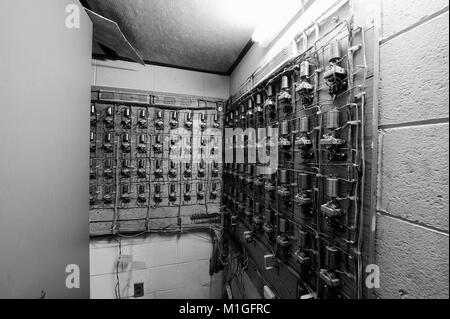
155, 162
299, 221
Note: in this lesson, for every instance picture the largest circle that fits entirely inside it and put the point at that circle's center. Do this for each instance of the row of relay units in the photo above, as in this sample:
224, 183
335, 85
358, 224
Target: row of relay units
158, 194
266, 220
206, 144
335, 78
298, 132
127, 170
142, 119
302, 246
290, 187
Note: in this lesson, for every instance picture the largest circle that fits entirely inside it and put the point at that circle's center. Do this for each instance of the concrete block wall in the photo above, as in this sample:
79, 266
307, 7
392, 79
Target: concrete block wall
412, 244
169, 266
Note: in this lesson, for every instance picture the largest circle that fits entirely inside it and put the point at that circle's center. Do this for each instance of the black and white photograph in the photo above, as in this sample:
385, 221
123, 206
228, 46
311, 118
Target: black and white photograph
225, 155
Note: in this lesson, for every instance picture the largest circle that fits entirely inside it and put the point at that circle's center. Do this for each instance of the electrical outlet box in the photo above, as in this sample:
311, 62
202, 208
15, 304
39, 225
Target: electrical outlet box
138, 290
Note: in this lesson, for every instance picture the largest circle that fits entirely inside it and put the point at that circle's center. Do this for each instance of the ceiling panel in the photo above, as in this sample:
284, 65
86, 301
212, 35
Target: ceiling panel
191, 34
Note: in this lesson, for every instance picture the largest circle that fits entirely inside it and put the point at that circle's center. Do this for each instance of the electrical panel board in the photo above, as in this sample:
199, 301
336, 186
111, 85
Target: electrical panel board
297, 185
155, 162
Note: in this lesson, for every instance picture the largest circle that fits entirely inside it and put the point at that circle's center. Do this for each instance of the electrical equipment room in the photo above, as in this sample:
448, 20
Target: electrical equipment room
224, 149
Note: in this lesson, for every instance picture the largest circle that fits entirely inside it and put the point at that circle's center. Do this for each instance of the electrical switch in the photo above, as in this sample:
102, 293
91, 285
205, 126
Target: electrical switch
248, 236
173, 145
213, 194
142, 145
187, 193
92, 146
328, 275
157, 195
250, 109
215, 123
142, 169
304, 197
173, 120
304, 141
126, 118
159, 122
172, 193
109, 118
142, 119
158, 147
187, 170
285, 141
172, 170
188, 148
331, 140
331, 208
270, 262
158, 169
93, 170
107, 194
200, 191
259, 104
201, 169
336, 76
107, 169
94, 116
304, 88
126, 169
142, 196
215, 169
303, 242
284, 97
202, 144
203, 121
188, 121
284, 183
126, 145
107, 144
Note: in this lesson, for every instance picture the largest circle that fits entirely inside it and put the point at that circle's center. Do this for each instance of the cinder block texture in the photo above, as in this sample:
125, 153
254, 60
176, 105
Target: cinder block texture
414, 174
413, 261
400, 14
414, 74
169, 267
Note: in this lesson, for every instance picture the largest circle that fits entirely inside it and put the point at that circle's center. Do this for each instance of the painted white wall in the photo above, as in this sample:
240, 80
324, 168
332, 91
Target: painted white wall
160, 79
44, 128
169, 266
